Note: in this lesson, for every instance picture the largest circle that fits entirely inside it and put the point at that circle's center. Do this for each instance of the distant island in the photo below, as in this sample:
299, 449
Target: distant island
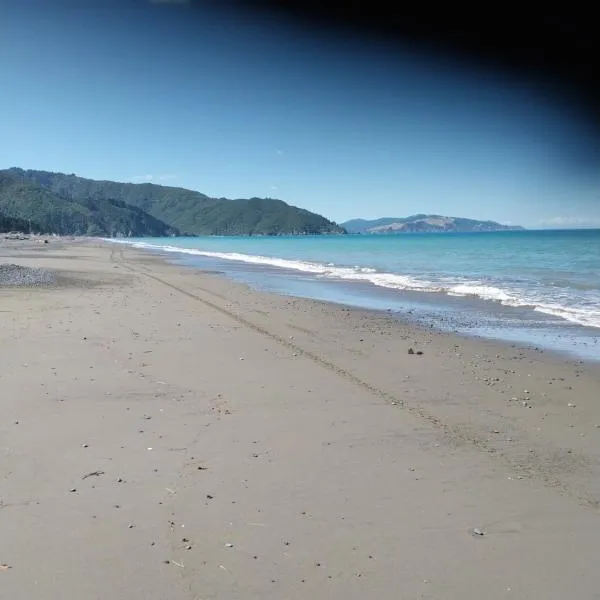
423, 224
47, 202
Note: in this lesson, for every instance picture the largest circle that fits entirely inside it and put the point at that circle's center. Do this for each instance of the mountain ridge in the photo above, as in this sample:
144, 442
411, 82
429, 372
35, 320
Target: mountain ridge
424, 223
175, 210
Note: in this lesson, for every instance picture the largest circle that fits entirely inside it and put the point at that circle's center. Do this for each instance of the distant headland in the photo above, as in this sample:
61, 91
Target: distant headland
424, 224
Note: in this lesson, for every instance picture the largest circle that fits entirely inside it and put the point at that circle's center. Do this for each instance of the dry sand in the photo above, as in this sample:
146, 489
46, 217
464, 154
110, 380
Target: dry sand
245, 446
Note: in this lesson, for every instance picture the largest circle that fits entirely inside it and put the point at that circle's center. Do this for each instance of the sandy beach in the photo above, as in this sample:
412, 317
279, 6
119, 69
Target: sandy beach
167, 434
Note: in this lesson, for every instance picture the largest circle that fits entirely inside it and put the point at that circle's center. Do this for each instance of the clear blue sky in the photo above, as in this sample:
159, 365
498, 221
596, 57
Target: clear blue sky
156, 91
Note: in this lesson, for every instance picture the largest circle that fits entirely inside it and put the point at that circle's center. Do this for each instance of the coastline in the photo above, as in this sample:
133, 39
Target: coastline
468, 315
349, 467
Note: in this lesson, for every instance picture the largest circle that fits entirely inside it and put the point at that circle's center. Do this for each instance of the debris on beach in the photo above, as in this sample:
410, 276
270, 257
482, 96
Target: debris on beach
411, 351
478, 532
92, 474
4, 567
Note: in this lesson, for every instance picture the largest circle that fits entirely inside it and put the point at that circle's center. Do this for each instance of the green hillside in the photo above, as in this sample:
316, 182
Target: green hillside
188, 211
12, 224
260, 216
47, 212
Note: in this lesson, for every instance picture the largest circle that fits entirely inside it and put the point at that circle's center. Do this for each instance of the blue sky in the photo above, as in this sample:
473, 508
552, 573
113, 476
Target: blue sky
157, 91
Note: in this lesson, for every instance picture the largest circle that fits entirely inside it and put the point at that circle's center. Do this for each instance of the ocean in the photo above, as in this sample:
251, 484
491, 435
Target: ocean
538, 288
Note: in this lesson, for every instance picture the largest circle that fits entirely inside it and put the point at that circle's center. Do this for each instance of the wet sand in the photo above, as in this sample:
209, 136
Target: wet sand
169, 434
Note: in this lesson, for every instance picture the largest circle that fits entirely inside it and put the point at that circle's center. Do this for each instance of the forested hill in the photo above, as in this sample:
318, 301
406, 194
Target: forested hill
11, 224
26, 206
177, 210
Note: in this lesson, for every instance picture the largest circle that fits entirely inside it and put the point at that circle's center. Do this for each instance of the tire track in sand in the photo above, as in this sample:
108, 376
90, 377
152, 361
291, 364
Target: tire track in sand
530, 470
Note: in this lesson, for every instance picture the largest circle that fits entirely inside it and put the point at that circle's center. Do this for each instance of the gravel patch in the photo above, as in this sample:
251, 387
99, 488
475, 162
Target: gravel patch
25, 276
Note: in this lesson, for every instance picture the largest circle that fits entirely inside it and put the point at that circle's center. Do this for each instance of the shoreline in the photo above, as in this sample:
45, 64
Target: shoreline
468, 317
526, 350
295, 445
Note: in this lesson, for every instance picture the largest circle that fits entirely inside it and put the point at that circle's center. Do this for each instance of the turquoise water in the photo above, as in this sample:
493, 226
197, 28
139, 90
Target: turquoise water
554, 273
